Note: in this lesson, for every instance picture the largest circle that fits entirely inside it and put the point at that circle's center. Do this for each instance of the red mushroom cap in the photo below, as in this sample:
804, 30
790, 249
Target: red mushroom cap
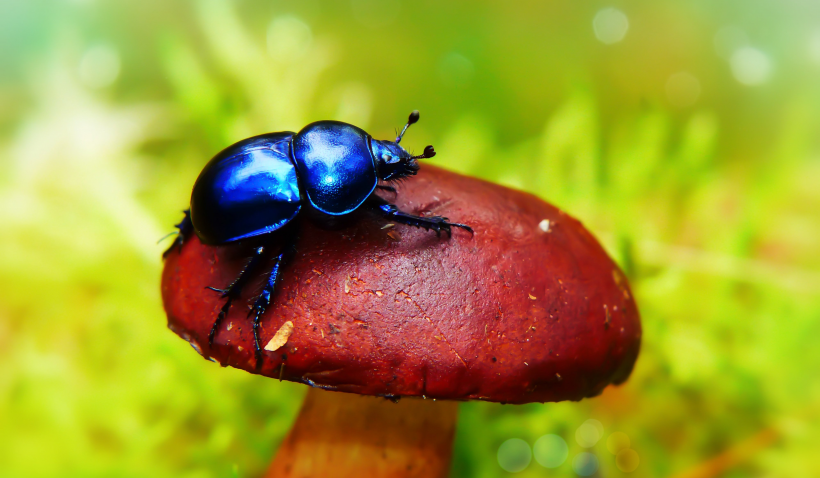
528, 309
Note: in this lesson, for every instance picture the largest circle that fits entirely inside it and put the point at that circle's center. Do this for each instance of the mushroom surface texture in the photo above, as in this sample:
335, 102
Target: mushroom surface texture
527, 309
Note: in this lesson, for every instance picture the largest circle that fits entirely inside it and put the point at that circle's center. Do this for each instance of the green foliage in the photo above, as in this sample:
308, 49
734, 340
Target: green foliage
711, 209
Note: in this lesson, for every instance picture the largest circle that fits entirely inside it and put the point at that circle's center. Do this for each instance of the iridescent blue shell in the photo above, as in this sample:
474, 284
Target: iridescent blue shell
335, 166
248, 189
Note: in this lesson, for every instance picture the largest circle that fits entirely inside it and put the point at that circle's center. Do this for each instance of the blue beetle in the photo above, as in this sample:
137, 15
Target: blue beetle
260, 184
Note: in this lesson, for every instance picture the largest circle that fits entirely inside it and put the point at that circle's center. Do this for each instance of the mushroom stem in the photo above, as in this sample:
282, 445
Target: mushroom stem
347, 435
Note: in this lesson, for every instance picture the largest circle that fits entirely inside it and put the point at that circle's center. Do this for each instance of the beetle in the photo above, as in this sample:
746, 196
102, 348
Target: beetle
261, 184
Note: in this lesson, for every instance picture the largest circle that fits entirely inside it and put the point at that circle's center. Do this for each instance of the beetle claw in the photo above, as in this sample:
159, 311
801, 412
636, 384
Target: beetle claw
232, 292
224, 292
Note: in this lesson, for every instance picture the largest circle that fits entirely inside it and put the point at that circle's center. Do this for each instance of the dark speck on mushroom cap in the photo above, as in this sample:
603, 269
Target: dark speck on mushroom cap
517, 313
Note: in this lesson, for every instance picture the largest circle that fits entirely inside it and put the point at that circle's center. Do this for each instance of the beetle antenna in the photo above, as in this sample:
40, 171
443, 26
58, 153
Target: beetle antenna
172, 233
429, 152
414, 116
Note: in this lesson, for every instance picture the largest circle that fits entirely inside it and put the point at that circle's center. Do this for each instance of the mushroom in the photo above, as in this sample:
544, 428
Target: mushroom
528, 309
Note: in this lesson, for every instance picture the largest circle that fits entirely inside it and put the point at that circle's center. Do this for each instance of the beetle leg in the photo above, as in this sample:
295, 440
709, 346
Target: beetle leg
184, 229
432, 223
262, 302
233, 290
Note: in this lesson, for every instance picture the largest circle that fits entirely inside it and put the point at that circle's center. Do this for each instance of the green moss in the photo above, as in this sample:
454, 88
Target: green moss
711, 209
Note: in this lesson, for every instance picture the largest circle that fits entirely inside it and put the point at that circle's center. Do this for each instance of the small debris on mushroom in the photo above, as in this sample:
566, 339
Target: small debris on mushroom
544, 225
280, 338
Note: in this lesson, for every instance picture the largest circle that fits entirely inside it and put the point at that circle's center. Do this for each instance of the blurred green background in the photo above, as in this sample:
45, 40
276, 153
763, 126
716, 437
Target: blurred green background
686, 136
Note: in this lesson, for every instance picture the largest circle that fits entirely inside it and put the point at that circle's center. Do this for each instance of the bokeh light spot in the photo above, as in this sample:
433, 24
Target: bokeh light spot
610, 25
288, 38
588, 434
514, 455
355, 104
814, 47
550, 451
627, 460
585, 464
751, 66
376, 13
598, 425
682, 89
617, 442
728, 40
455, 69
99, 66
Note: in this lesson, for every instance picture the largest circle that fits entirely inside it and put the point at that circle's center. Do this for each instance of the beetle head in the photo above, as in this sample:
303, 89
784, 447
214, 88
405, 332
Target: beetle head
393, 161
